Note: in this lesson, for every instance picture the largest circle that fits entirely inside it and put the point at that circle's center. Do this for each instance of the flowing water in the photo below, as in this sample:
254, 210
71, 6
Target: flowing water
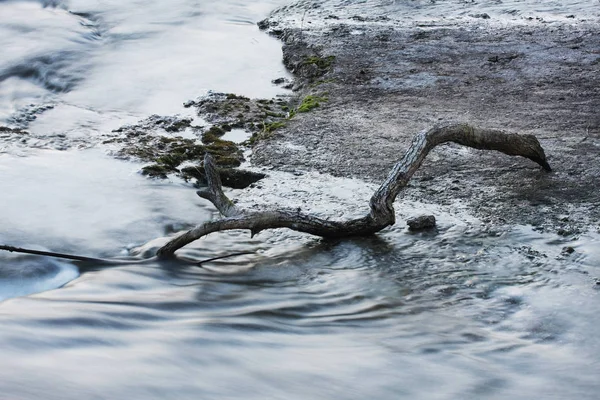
466, 312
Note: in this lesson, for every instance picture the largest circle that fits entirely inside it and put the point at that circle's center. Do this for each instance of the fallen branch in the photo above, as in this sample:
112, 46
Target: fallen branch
73, 257
382, 212
107, 261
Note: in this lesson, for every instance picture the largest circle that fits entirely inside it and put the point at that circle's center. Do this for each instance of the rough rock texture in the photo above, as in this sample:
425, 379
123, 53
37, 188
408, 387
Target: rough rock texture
420, 223
155, 140
386, 79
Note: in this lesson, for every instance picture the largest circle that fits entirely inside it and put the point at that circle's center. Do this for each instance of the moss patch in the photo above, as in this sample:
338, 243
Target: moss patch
166, 154
273, 126
323, 63
157, 171
311, 102
233, 96
260, 117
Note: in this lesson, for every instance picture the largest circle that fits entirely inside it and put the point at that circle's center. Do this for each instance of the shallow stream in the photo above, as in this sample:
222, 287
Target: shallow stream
466, 312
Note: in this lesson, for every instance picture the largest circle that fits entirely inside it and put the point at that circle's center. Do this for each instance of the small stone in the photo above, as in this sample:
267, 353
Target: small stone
264, 24
565, 231
568, 250
278, 81
422, 222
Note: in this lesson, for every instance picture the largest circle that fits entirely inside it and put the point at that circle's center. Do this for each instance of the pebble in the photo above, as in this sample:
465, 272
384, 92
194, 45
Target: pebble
421, 222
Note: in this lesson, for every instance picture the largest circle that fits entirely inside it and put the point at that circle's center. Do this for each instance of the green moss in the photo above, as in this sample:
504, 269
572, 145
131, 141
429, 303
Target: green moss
143, 153
253, 139
157, 171
266, 129
233, 96
214, 133
323, 63
222, 146
186, 151
272, 126
311, 102
227, 161
178, 125
171, 160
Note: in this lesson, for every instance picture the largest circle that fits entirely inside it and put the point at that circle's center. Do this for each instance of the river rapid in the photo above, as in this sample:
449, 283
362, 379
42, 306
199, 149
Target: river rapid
469, 311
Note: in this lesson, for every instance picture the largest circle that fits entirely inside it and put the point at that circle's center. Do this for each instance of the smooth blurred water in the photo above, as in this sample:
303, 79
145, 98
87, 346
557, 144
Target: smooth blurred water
101, 64
466, 312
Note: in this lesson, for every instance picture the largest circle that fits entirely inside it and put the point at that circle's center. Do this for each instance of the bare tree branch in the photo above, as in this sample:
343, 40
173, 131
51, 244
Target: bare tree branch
382, 212
73, 257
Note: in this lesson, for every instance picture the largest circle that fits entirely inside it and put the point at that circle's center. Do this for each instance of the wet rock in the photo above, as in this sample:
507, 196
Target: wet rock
422, 222
567, 231
160, 149
167, 123
230, 177
228, 109
279, 81
259, 117
266, 24
149, 141
17, 131
306, 62
158, 171
567, 250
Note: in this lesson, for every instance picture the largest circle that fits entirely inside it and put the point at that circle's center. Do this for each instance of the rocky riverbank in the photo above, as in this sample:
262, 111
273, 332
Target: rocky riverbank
383, 76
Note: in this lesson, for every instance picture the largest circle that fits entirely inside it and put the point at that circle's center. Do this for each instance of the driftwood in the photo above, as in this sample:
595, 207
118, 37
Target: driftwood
106, 261
72, 257
382, 212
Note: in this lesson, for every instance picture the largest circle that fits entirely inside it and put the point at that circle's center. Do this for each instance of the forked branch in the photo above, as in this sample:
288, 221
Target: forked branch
382, 212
